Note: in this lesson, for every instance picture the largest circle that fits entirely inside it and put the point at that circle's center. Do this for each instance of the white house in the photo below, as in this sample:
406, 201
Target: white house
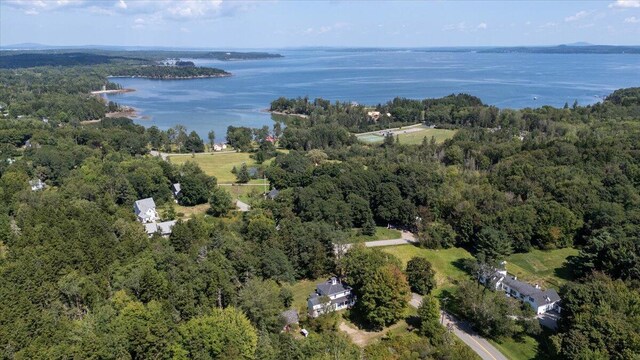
219, 147
145, 210
164, 228
540, 300
36, 185
331, 295
176, 189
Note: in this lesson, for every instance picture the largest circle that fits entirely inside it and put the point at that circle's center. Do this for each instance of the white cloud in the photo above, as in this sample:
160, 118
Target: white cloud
461, 26
632, 20
165, 9
579, 15
625, 4
34, 7
548, 25
326, 28
482, 26
185, 30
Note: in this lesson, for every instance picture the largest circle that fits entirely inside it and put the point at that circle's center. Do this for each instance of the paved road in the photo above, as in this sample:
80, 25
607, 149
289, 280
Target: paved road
406, 239
242, 206
462, 330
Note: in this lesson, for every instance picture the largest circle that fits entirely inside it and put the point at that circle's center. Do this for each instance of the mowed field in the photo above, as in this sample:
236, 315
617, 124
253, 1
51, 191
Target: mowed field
411, 135
545, 267
446, 262
216, 164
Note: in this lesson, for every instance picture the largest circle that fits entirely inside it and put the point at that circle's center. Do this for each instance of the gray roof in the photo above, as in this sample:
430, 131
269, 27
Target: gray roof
176, 188
290, 316
314, 299
143, 205
540, 296
328, 288
164, 227
522, 287
546, 297
253, 171
273, 193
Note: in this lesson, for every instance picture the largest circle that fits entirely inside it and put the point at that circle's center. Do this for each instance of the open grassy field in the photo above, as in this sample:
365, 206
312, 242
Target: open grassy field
382, 233
217, 164
416, 138
411, 135
527, 349
445, 262
545, 267
301, 291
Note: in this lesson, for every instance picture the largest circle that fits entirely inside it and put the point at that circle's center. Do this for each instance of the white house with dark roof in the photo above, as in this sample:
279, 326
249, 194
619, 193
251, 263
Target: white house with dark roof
541, 301
331, 295
145, 210
164, 228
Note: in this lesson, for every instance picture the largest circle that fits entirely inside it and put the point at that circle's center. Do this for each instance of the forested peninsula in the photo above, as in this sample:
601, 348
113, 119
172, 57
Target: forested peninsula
166, 72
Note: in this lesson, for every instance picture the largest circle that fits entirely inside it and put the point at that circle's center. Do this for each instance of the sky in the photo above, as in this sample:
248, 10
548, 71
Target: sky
218, 24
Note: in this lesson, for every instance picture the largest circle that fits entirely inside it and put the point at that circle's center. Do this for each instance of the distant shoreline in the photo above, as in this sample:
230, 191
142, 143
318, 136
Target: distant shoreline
172, 77
116, 91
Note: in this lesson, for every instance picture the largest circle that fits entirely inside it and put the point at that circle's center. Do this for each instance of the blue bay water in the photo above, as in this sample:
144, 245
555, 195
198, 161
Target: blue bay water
372, 77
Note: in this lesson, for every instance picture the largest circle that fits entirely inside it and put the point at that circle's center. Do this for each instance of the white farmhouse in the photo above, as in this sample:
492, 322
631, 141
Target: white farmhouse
332, 295
145, 210
541, 301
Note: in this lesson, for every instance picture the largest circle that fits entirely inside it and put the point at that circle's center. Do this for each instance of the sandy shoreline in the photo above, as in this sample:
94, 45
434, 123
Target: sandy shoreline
117, 91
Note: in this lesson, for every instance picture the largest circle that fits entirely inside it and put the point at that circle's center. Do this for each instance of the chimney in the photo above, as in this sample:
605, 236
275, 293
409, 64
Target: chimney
334, 281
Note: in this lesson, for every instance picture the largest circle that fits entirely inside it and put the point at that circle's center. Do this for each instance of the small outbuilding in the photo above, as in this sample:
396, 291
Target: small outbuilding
37, 185
176, 189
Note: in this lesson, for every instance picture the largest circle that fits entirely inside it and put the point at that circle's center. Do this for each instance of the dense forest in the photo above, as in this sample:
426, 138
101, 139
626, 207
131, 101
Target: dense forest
62, 94
166, 72
16, 59
79, 277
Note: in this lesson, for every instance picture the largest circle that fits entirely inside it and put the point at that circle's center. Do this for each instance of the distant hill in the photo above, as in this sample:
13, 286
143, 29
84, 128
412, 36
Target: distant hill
567, 49
579, 43
71, 57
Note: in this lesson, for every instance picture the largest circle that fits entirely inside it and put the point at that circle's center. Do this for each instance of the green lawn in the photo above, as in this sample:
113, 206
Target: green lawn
217, 164
527, 349
382, 233
545, 267
301, 291
445, 262
415, 138
410, 138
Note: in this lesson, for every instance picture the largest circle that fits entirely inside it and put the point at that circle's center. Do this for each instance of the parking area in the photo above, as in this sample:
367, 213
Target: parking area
549, 319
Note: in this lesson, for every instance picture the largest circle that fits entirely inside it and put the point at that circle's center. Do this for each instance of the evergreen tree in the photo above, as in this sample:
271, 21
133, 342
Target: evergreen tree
242, 176
429, 314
